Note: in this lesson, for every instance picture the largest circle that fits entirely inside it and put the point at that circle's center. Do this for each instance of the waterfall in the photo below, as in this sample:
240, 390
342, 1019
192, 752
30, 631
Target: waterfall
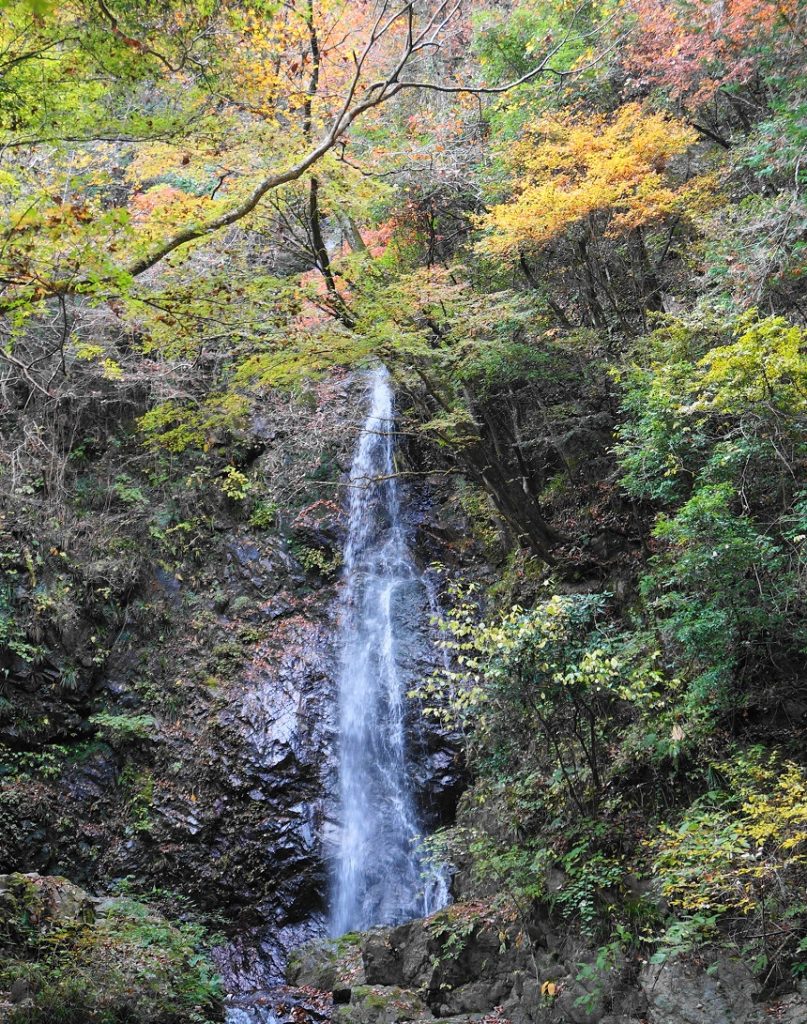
380, 875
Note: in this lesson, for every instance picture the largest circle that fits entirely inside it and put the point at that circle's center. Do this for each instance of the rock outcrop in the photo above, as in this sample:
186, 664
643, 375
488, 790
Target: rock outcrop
70, 957
467, 963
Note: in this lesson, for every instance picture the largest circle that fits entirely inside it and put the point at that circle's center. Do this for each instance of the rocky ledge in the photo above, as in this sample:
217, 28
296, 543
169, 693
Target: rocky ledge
469, 963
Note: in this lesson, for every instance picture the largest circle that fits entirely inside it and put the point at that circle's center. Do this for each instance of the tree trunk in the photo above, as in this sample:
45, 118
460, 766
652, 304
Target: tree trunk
527, 271
647, 279
323, 259
588, 288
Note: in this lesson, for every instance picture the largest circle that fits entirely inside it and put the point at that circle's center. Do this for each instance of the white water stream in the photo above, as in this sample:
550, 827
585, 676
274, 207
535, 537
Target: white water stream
380, 874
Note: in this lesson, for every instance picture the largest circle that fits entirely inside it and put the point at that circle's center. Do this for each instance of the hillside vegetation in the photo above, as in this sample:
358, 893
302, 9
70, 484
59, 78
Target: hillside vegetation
576, 234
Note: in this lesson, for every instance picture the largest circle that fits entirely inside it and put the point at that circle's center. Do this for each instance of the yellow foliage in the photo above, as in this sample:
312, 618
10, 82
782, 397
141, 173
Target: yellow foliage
766, 365
112, 369
573, 166
87, 352
726, 851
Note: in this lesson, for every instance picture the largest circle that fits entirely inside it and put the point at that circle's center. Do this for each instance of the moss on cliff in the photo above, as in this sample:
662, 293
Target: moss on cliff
70, 959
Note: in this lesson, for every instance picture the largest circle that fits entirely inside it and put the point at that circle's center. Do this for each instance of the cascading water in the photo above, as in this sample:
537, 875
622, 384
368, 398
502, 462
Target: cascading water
380, 874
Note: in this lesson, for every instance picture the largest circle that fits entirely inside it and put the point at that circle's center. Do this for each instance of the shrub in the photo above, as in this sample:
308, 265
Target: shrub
713, 432
234, 484
124, 727
128, 965
739, 854
264, 515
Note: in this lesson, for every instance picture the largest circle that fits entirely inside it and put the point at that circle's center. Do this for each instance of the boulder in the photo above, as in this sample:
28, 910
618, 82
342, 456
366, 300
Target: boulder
41, 902
682, 993
371, 1004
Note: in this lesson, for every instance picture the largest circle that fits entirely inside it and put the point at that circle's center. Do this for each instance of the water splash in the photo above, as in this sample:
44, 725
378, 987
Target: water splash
380, 873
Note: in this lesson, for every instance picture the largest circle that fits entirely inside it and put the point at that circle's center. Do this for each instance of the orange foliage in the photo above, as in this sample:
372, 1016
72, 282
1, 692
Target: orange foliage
143, 204
697, 47
377, 239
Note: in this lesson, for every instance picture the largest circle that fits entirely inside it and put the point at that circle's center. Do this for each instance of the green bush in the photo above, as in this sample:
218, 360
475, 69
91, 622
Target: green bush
720, 588
123, 727
128, 965
713, 433
264, 515
13, 636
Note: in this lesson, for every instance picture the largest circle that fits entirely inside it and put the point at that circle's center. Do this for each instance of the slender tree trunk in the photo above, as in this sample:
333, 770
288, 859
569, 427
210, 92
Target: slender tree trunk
322, 258
519, 510
647, 279
527, 271
352, 233
588, 287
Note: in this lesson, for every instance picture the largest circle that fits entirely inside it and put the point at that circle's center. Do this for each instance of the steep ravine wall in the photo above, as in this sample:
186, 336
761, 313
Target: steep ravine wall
220, 793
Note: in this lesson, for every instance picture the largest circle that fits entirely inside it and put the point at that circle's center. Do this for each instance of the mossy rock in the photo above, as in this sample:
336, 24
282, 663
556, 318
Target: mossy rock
32, 906
328, 963
67, 958
381, 1004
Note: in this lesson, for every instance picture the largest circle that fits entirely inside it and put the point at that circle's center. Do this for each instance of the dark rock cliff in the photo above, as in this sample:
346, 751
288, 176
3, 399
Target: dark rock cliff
197, 760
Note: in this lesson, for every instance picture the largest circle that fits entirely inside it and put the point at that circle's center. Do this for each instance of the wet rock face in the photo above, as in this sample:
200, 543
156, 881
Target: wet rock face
255, 960
58, 716
275, 752
226, 797
224, 793
220, 795
266, 566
